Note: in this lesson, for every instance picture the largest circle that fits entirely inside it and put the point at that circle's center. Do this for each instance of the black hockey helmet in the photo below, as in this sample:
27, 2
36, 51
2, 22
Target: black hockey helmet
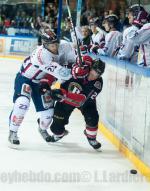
139, 13
99, 66
48, 36
112, 20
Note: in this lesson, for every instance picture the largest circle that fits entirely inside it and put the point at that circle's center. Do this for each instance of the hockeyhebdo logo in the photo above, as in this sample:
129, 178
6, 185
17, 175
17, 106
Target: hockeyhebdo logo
41, 176
95, 176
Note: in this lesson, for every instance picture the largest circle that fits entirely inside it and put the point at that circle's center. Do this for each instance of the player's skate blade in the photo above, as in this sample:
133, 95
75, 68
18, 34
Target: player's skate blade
44, 133
13, 140
93, 142
55, 138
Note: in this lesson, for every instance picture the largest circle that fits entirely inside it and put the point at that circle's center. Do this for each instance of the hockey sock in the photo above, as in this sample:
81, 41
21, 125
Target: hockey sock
20, 108
45, 118
91, 132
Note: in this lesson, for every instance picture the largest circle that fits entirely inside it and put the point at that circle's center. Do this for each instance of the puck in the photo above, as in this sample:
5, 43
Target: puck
133, 171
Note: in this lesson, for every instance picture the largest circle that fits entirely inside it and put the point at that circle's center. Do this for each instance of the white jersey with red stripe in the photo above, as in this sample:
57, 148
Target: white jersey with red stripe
113, 41
99, 38
128, 50
142, 38
42, 62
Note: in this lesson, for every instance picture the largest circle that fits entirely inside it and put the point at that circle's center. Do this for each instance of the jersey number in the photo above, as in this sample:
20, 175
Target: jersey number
94, 95
50, 68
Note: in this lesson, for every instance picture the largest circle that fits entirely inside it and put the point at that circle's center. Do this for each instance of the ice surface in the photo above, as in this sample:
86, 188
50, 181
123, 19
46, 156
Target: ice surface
69, 165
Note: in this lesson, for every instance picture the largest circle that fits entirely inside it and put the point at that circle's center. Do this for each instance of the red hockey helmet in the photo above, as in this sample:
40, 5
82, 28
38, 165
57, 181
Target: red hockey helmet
86, 60
142, 18
140, 15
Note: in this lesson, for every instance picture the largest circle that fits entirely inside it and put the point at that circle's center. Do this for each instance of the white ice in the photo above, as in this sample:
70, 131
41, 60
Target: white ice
68, 165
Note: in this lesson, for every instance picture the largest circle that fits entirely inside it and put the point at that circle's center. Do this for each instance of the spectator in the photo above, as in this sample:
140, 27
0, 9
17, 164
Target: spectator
2, 28
17, 19
86, 33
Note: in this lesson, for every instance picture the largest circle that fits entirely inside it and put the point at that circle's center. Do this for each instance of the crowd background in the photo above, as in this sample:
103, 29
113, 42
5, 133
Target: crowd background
25, 18
16, 18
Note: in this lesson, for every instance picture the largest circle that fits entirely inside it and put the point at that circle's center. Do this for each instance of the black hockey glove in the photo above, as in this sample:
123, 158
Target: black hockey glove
43, 87
95, 49
56, 94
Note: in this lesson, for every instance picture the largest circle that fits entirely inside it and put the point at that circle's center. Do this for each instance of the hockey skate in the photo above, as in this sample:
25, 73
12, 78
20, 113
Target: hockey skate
55, 138
93, 142
44, 133
13, 139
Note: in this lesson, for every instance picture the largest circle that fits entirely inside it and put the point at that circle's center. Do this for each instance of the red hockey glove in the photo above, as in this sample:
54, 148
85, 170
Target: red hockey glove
80, 72
86, 60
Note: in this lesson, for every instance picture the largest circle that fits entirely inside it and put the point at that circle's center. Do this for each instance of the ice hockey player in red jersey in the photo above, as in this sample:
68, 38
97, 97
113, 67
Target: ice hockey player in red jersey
87, 81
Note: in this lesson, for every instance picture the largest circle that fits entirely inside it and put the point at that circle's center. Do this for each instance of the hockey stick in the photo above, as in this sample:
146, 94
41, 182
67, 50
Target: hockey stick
34, 30
89, 95
70, 17
139, 2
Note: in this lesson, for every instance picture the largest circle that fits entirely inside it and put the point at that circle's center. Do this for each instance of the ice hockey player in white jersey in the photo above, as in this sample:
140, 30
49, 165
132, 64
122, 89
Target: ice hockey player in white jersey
137, 17
142, 38
113, 38
46, 59
98, 36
